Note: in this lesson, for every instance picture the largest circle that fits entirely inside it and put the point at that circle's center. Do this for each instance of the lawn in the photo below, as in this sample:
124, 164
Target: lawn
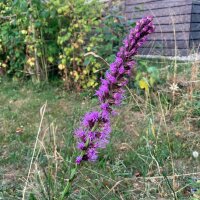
151, 154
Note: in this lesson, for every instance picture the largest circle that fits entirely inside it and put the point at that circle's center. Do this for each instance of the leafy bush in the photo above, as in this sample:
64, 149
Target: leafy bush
40, 39
28, 38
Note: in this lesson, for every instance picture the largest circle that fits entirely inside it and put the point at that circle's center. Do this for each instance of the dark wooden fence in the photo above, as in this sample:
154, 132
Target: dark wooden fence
195, 25
177, 25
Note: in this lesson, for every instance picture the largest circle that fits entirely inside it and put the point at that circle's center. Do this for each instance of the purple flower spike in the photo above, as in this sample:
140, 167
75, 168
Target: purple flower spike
96, 128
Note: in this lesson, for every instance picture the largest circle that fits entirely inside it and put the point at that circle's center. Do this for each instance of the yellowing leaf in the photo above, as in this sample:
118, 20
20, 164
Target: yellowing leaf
31, 61
75, 45
4, 65
144, 85
76, 75
153, 130
61, 66
24, 32
76, 25
152, 81
80, 41
95, 84
84, 71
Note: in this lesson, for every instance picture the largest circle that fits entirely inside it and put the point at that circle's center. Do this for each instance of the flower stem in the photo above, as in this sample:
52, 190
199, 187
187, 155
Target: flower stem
65, 192
73, 173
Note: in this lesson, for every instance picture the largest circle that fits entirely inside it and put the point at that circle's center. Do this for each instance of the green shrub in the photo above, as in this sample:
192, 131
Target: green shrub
42, 39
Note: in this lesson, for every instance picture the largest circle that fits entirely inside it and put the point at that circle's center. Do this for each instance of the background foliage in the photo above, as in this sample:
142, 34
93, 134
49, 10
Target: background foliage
41, 40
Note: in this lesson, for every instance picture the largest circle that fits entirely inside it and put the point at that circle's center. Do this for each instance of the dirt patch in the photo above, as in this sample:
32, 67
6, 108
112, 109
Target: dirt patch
65, 106
18, 103
132, 122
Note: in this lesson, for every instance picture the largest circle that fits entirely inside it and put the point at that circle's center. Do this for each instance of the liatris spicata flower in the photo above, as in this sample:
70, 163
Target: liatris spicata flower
95, 127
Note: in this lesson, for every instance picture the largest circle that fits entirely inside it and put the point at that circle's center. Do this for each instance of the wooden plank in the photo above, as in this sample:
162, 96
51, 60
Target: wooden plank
181, 10
167, 17
196, 2
165, 20
195, 18
155, 5
135, 2
164, 52
142, 2
195, 44
179, 16
170, 36
195, 27
173, 27
167, 44
195, 35
196, 8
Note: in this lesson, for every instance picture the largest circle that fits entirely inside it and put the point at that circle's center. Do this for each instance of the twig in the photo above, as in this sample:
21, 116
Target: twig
161, 177
170, 186
97, 56
11, 16
116, 184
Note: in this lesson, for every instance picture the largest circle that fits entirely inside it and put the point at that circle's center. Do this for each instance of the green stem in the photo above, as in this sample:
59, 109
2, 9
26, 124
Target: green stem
65, 192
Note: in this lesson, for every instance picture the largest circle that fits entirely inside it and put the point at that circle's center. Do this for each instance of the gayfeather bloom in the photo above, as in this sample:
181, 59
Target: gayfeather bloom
95, 128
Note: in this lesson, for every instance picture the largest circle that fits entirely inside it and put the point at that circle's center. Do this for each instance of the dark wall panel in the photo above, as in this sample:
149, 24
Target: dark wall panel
195, 44
167, 11
169, 44
136, 2
166, 52
183, 27
195, 25
170, 36
196, 8
177, 22
165, 20
196, 18
156, 5
195, 35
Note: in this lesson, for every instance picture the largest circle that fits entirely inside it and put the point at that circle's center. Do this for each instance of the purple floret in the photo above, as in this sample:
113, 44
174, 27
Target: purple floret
111, 78
80, 145
90, 118
79, 159
79, 133
118, 98
92, 154
113, 67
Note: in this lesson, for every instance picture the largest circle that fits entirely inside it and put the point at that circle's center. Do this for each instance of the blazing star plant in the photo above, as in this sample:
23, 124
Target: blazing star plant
94, 131
95, 128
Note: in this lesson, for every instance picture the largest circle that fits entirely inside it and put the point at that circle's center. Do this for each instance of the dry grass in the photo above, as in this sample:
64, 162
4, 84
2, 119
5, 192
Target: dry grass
149, 157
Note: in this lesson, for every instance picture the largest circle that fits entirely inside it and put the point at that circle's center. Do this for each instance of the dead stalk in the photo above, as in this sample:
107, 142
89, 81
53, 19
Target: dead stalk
42, 112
